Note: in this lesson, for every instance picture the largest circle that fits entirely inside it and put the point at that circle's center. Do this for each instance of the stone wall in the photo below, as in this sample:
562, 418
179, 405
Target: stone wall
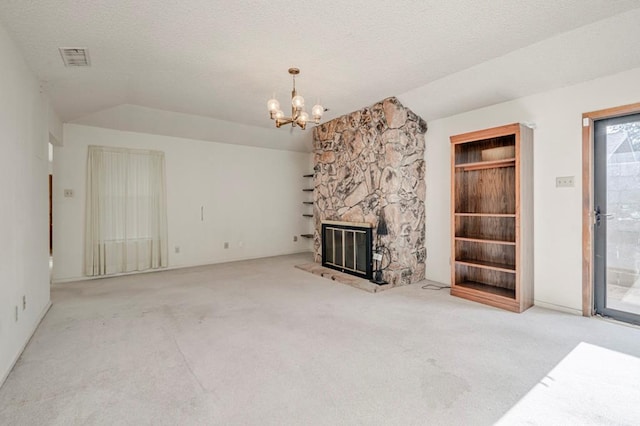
371, 163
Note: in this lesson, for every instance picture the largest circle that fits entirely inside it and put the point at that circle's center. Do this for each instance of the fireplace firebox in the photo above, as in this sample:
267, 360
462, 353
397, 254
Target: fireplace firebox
347, 247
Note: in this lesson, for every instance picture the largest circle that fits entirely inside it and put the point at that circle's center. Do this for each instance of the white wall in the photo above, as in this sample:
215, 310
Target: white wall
55, 127
252, 198
139, 119
557, 152
24, 206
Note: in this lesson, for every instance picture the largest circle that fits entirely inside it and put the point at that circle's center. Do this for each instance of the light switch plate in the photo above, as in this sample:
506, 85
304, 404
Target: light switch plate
565, 181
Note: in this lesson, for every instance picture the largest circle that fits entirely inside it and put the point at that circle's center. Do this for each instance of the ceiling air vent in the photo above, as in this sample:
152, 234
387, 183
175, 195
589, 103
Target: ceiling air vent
75, 56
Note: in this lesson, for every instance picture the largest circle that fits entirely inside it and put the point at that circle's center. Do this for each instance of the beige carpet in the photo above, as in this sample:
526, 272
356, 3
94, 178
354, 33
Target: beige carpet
263, 343
591, 385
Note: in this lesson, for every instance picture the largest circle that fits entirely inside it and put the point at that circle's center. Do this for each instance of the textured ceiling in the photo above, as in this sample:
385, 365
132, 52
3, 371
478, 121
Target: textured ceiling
223, 60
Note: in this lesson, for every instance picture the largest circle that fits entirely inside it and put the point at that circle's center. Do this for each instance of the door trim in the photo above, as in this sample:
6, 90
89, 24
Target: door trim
587, 197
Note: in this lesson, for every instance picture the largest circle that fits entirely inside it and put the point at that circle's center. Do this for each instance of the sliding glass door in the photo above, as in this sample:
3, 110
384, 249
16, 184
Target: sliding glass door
617, 217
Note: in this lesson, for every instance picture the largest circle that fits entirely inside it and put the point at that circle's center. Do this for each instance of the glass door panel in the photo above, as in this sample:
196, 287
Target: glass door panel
617, 217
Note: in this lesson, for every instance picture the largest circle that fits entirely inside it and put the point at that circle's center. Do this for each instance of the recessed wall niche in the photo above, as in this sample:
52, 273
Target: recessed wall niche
370, 163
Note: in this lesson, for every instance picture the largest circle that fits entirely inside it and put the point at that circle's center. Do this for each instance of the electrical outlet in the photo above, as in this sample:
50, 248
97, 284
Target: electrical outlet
68, 193
226, 245
295, 238
177, 249
565, 181
241, 244
24, 302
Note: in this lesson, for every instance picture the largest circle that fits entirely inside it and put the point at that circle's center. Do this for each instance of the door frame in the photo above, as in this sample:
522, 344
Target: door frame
588, 118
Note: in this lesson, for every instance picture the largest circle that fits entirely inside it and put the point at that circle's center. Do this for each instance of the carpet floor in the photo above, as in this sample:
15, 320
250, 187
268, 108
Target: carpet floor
261, 342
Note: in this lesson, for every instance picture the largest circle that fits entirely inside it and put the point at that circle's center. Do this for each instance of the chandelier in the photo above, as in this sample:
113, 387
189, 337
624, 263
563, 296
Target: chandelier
299, 117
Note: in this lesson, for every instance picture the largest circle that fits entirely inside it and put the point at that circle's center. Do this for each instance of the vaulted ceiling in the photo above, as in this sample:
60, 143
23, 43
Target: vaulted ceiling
222, 60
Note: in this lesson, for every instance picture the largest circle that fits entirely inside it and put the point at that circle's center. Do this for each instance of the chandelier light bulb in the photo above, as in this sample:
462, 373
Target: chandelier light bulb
279, 114
297, 102
317, 111
273, 105
303, 117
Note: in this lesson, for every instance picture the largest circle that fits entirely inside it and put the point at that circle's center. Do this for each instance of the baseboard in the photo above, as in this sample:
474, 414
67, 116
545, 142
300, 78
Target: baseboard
4, 376
172, 267
555, 307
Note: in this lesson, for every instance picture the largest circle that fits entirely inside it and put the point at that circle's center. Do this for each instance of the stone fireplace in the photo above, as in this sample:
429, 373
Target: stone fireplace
369, 164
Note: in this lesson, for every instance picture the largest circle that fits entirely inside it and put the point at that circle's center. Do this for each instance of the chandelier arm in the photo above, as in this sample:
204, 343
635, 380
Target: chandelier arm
300, 123
283, 121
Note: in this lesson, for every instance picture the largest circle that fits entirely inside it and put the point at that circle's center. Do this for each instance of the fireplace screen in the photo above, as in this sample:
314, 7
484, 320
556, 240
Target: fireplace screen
347, 248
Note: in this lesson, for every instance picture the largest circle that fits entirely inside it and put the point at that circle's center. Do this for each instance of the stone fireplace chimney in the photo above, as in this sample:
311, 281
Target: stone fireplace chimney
371, 163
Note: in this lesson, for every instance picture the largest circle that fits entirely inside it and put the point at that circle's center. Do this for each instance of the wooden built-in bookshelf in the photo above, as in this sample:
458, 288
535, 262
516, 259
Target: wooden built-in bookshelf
492, 216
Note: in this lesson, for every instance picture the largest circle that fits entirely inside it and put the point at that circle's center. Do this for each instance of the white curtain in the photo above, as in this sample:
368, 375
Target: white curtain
126, 214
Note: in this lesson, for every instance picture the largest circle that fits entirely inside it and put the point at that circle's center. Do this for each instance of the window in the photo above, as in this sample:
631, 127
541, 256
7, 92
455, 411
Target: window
126, 225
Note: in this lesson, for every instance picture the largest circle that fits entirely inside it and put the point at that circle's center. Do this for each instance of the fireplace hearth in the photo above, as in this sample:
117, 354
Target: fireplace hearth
346, 247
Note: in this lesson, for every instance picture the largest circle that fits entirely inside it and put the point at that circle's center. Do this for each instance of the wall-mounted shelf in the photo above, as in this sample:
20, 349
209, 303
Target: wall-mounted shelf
306, 210
492, 212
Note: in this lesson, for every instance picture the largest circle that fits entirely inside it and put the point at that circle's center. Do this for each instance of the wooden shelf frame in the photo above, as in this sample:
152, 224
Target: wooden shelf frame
492, 218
